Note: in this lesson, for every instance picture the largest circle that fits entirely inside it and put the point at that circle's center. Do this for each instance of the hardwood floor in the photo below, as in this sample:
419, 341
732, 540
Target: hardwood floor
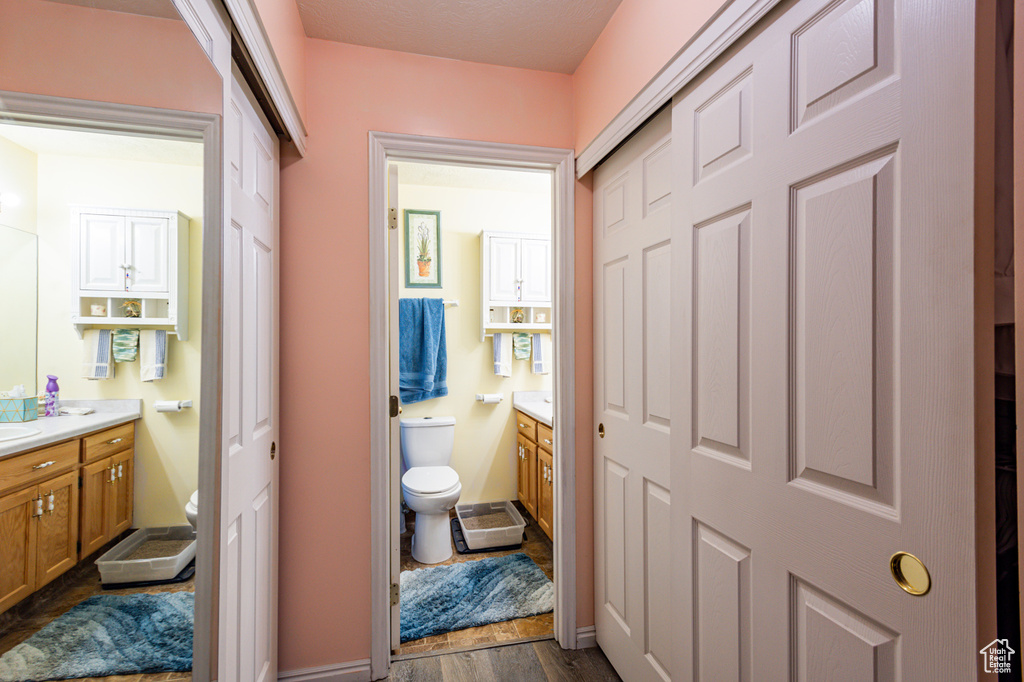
530, 662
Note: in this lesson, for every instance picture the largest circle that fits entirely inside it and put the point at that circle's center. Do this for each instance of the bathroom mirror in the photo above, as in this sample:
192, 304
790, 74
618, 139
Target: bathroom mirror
18, 295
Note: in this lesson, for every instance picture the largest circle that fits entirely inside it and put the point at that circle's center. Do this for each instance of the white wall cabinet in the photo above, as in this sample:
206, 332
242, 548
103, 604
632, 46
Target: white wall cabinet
517, 282
123, 254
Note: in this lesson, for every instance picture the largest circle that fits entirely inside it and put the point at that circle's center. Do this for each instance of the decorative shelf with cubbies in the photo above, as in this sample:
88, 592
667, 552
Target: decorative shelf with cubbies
516, 280
123, 255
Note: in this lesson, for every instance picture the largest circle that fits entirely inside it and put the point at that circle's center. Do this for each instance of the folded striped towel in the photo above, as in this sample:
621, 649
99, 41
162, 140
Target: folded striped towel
153, 354
503, 355
541, 354
96, 362
126, 345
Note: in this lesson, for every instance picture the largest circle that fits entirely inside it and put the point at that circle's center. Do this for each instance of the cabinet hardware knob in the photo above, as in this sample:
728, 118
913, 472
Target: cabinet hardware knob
45, 464
600, 430
522, 426
115, 441
273, 445
49, 502
548, 441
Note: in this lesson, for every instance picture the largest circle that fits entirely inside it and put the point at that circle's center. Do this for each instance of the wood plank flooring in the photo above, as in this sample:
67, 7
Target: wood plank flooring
530, 662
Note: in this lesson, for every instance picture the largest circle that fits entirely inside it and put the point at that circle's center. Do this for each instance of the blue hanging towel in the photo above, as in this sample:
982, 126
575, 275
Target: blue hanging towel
423, 353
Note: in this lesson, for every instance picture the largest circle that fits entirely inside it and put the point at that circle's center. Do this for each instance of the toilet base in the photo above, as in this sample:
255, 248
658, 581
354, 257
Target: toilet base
431, 538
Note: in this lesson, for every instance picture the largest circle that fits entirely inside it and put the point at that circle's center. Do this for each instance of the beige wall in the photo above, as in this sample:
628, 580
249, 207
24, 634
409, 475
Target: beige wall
18, 178
166, 454
485, 435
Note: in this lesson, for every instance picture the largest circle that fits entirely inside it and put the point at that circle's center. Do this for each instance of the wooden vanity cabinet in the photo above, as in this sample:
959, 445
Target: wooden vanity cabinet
545, 492
38, 519
535, 486
527, 478
58, 507
107, 487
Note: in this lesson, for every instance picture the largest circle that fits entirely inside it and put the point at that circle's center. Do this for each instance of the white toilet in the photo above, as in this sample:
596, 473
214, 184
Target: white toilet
192, 510
430, 486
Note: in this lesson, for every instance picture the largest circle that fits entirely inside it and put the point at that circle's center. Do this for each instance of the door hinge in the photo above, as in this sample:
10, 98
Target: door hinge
394, 594
394, 410
393, 218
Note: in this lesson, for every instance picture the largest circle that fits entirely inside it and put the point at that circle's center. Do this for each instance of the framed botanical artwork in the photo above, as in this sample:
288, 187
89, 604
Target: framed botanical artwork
423, 249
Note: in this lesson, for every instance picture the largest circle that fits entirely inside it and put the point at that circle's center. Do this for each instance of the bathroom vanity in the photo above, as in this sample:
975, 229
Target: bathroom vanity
64, 493
535, 451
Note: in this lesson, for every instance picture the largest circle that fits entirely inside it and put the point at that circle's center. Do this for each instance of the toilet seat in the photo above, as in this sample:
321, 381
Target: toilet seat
430, 481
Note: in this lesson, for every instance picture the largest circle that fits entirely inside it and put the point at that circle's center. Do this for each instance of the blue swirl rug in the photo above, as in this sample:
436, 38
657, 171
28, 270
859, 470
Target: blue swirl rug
473, 593
108, 635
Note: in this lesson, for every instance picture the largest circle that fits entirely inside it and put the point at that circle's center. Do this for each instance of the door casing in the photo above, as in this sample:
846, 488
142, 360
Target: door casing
385, 147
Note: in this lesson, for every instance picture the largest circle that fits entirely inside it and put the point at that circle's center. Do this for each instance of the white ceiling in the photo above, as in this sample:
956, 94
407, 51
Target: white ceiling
164, 9
468, 177
547, 35
103, 146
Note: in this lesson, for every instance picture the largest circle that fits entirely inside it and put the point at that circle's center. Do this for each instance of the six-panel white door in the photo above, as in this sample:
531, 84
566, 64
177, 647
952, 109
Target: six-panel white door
822, 324
248, 533
632, 370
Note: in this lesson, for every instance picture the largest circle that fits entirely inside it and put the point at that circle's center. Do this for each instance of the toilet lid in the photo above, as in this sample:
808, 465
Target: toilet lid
194, 500
428, 480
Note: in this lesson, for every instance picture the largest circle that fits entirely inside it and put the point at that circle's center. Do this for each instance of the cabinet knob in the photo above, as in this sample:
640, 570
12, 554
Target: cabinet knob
114, 441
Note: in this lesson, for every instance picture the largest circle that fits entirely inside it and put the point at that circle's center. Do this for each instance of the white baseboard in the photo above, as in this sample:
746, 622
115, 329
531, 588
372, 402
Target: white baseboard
586, 637
353, 671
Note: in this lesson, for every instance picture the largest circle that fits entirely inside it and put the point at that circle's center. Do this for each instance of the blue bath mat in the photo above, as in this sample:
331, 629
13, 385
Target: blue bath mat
465, 595
108, 635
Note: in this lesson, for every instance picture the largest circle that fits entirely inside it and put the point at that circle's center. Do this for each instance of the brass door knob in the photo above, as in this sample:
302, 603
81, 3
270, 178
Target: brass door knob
273, 449
600, 430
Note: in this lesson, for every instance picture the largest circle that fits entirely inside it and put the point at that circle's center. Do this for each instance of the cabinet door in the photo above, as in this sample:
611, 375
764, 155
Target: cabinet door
545, 492
17, 547
530, 469
148, 253
522, 471
503, 270
102, 252
57, 540
536, 271
121, 492
95, 514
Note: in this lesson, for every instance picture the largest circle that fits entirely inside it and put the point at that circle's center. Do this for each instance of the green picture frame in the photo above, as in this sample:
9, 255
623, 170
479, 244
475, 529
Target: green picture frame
422, 249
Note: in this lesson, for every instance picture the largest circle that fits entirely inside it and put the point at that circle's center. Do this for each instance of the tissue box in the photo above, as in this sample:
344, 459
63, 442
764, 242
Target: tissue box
19, 409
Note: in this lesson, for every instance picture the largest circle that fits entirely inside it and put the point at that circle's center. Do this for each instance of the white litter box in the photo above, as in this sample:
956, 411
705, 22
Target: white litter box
167, 553
478, 524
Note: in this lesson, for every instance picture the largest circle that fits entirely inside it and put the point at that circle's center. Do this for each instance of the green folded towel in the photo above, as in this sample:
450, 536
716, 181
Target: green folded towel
521, 346
126, 345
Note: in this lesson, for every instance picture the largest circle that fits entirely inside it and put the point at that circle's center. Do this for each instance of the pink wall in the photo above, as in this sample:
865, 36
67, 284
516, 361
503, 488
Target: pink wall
641, 37
325, 470
287, 37
47, 48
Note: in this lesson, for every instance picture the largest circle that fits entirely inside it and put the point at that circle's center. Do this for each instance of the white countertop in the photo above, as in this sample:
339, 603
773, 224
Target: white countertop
56, 429
533, 404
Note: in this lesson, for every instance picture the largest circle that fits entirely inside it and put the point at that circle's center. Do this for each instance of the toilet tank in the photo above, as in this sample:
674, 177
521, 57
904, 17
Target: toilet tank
427, 441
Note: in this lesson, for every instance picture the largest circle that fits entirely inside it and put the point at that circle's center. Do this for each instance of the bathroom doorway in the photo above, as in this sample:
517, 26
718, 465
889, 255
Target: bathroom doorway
118, 463
475, 210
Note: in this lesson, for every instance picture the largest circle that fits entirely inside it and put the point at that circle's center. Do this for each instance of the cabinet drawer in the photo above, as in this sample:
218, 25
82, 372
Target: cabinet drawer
20, 470
106, 443
545, 437
527, 426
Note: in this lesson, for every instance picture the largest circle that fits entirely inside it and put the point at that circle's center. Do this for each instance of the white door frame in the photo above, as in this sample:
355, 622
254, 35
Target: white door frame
385, 147
82, 115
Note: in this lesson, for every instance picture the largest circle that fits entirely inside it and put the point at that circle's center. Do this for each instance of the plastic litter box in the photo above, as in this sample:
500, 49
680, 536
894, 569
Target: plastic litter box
117, 566
477, 521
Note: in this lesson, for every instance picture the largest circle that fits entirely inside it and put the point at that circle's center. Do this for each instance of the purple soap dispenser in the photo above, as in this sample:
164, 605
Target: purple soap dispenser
52, 396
